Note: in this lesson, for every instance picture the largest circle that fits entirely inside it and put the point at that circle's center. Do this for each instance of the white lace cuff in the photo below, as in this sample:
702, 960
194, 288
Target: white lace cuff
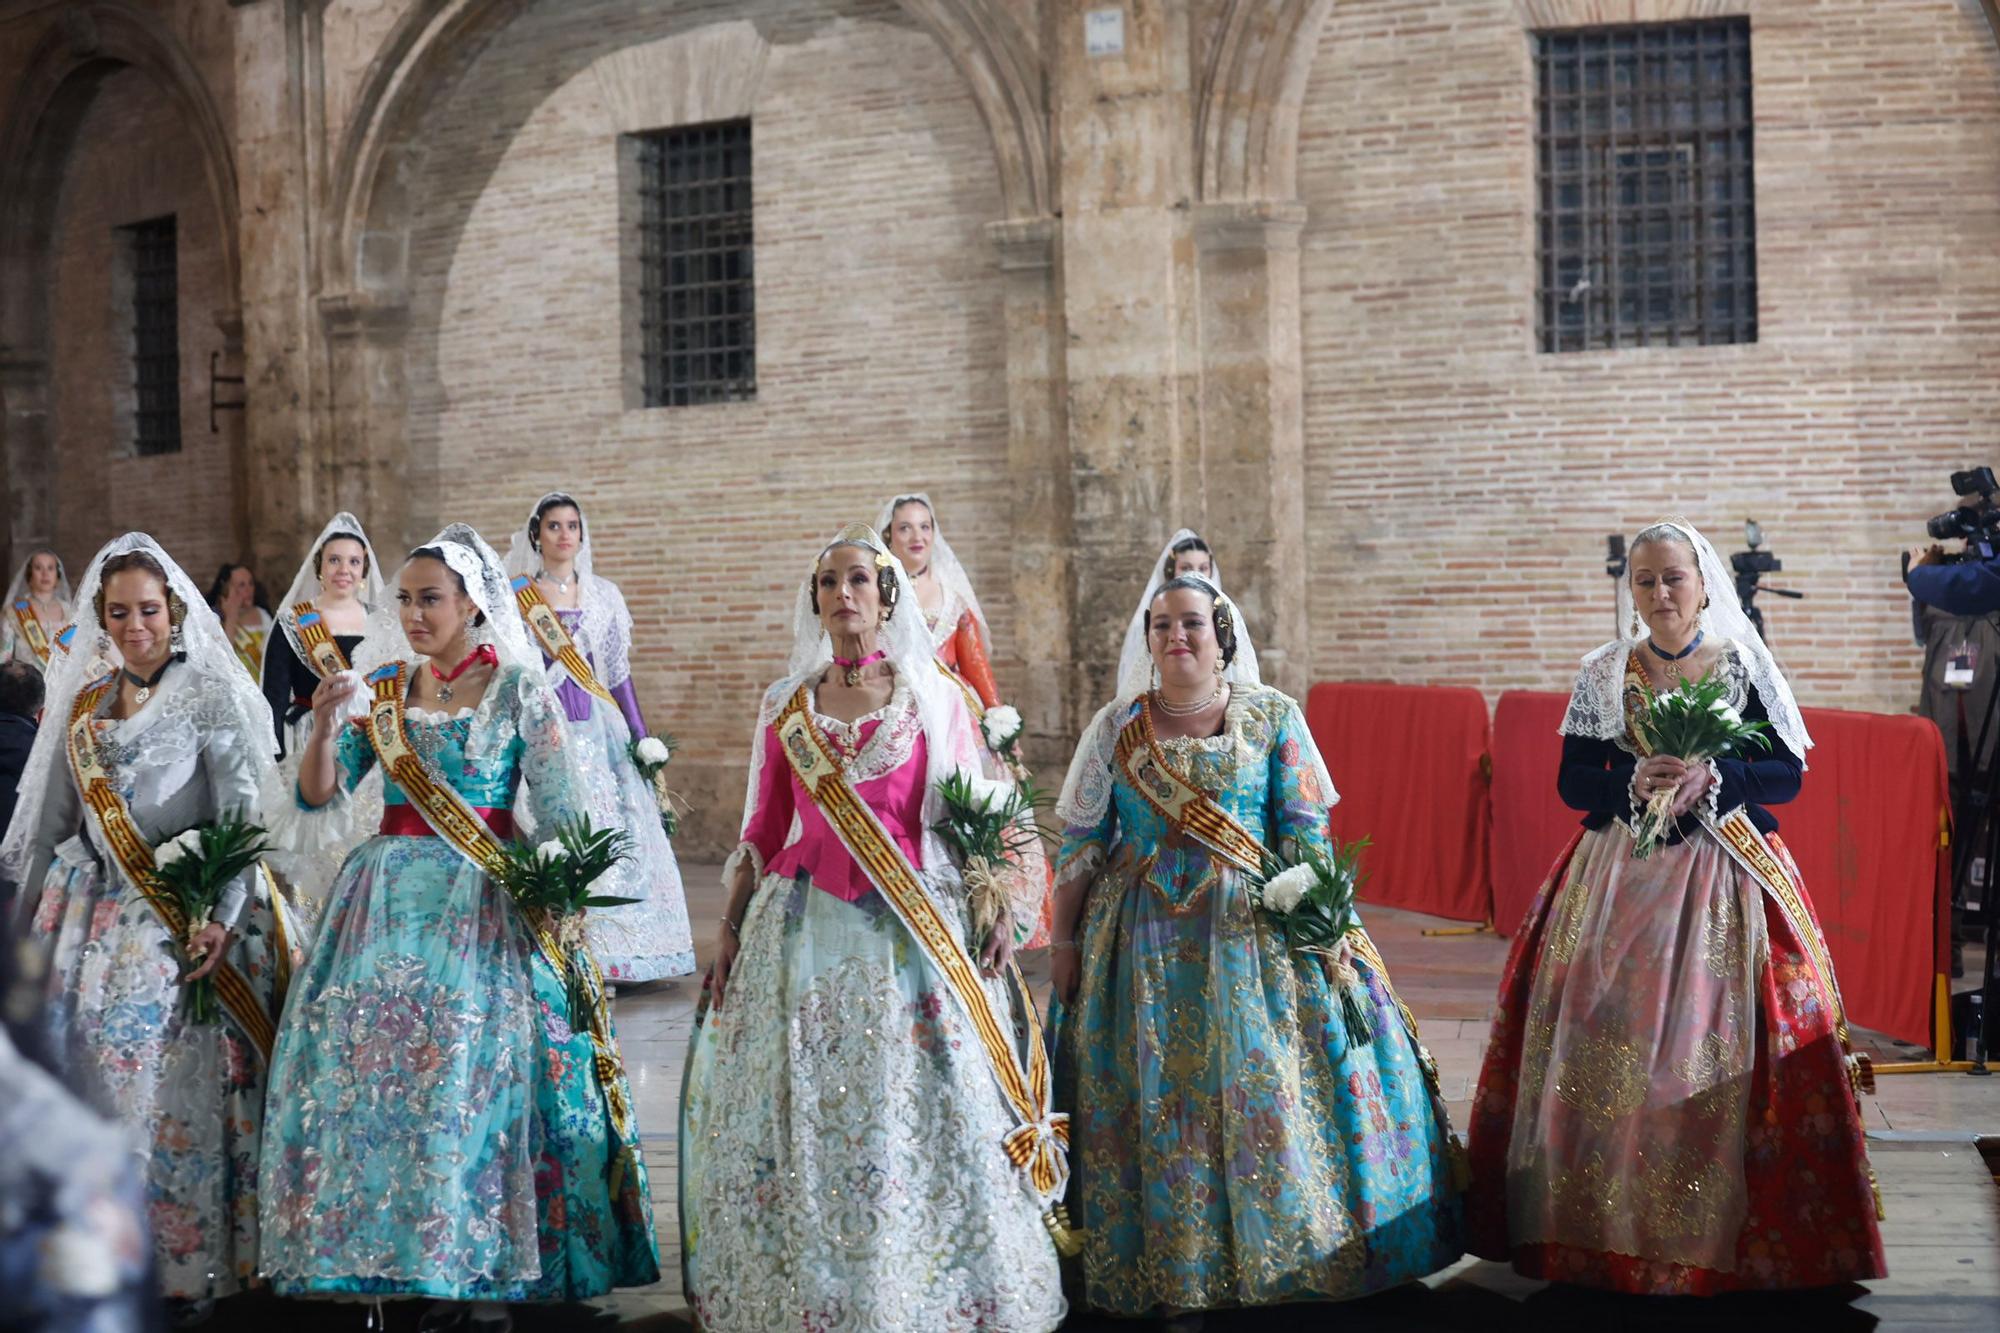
744, 851
1713, 795
304, 830
1083, 861
1636, 801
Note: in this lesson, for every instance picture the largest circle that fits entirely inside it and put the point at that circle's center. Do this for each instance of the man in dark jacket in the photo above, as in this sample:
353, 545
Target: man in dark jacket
20, 709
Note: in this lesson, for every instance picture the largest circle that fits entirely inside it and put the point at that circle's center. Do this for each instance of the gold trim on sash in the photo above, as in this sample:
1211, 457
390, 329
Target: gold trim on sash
31, 629
555, 640
455, 821
135, 858
1038, 1145
1181, 803
321, 653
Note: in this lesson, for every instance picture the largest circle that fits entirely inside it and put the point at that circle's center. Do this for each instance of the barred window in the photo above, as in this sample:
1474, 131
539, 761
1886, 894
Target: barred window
697, 312
156, 344
1646, 213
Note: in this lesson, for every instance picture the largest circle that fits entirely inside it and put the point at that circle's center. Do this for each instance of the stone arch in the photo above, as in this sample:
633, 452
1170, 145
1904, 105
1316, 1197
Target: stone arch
434, 43
78, 49
1247, 125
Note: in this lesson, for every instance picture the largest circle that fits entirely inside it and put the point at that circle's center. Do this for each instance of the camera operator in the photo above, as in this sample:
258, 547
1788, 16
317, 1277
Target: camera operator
1964, 583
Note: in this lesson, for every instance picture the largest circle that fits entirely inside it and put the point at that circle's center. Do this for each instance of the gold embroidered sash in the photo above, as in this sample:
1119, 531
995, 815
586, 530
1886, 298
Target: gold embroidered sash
1178, 801
555, 640
1038, 1145
135, 858
453, 820
32, 632
321, 653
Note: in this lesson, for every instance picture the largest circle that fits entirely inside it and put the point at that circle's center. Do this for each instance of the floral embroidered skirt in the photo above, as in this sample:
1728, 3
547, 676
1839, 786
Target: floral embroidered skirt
648, 939
1229, 1144
194, 1093
1665, 1105
841, 1159
435, 1126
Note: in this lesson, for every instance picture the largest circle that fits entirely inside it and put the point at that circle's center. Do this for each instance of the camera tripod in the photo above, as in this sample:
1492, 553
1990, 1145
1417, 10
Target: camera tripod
1978, 843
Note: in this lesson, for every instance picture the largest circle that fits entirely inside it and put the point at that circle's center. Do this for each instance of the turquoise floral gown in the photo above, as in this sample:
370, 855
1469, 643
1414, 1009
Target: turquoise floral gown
435, 1126
1229, 1145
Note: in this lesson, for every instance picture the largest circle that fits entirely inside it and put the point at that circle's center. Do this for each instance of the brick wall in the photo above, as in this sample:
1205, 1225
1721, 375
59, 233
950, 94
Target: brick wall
1460, 484
133, 159
879, 334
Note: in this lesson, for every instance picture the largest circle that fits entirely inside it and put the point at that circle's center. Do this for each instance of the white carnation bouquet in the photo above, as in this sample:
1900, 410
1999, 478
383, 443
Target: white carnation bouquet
551, 885
1001, 726
193, 869
1314, 904
1695, 723
650, 755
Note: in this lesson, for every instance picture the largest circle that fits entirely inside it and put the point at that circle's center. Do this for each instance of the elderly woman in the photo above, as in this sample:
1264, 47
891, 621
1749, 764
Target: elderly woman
1233, 1143
131, 761
1667, 1104
858, 1078
35, 610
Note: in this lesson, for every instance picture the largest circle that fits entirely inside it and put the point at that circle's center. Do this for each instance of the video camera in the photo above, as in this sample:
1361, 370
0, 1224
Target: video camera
1978, 524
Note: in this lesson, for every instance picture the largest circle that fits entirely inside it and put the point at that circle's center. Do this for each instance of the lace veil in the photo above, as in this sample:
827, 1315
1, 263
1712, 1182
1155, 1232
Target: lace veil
604, 634
1135, 662
468, 556
958, 595
950, 741
306, 586
19, 587
230, 689
1086, 790
1597, 704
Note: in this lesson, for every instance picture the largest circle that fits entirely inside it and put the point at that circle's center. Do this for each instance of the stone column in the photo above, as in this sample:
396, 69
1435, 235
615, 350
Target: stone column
1124, 177
364, 417
1038, 471
1253, 428
277, 468
29, 453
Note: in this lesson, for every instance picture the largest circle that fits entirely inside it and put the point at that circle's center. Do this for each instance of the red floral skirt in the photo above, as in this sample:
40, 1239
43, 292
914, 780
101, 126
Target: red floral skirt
1813, 1208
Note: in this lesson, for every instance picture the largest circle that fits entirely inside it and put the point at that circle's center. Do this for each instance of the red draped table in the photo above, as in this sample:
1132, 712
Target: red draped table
1410, 763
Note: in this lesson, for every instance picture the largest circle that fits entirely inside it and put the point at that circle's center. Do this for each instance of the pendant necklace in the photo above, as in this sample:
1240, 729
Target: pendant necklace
562, 585
485, 652
1674, 660
146, 684
851, 666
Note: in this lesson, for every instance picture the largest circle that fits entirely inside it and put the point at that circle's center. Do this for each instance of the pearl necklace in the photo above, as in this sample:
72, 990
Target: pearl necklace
1172, 709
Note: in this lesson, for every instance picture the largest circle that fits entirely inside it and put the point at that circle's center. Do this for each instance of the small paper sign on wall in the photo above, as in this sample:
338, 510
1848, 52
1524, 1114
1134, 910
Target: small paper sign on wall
1103, 33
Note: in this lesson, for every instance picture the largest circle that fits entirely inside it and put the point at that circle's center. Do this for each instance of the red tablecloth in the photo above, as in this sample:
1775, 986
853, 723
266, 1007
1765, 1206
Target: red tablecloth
1531, 825
1864, 831
1409, 763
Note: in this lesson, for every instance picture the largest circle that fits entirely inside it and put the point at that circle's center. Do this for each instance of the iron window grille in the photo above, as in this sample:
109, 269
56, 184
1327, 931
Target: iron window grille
697, 312
156, 349
1646, 212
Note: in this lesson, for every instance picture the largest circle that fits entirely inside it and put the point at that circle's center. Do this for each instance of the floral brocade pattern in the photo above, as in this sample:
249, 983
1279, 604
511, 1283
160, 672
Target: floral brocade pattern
435, 1126
1230, 1146
840, 1133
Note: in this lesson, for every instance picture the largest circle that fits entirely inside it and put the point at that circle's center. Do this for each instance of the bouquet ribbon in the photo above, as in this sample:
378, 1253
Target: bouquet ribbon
1038, 1145
555, 640
135, 858
451, 818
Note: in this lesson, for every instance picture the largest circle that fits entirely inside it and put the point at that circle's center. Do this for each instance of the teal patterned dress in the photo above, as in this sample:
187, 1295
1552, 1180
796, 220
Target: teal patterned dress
435, 1126
1229, 1145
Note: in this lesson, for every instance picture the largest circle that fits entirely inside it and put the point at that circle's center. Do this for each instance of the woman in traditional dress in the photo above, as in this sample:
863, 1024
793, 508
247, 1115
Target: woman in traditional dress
436, 1126
35, 610
550, 562
176, 736
858, 1081
233, 597
321, 624
1233, 1145
962, 645
1667, 1104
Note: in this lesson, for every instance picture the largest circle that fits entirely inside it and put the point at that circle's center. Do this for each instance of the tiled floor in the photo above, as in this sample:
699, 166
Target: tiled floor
1943, 1230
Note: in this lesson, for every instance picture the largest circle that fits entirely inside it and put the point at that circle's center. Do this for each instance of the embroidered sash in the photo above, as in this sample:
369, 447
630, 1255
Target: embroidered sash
135, 858
555, 640
458, 824
316, 644
1182, 804
66, 636
32, 632
1038, 1145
